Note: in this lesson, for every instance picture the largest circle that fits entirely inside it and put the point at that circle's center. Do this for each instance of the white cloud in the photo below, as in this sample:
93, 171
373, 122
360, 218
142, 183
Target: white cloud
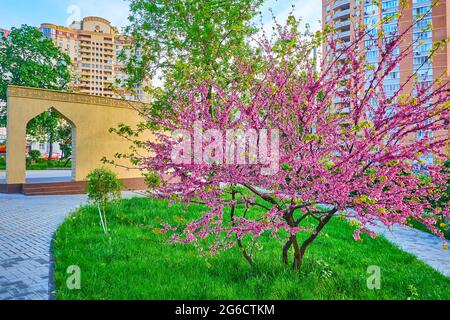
310, 11
116, 11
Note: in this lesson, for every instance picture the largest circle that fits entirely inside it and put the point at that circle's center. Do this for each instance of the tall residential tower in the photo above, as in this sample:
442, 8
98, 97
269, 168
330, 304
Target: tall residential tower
345, 15
93, 45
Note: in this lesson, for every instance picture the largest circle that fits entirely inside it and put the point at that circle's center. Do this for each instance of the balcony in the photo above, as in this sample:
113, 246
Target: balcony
341, 4
342, 24
345, 35
344, 14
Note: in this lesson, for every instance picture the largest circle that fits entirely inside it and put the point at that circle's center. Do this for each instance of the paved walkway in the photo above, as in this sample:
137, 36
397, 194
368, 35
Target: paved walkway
424, 246
36, 176
27, 225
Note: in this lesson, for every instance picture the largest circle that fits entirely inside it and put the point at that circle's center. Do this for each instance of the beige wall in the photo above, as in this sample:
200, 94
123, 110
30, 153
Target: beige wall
91, 116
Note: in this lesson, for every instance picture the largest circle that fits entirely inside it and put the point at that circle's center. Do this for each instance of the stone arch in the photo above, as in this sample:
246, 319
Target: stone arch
73, 127
91, 116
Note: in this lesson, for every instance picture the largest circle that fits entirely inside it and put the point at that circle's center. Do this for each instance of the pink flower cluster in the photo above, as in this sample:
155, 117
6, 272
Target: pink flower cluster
356, 157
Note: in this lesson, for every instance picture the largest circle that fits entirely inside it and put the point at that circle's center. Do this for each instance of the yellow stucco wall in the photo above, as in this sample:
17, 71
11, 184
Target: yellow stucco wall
91, 116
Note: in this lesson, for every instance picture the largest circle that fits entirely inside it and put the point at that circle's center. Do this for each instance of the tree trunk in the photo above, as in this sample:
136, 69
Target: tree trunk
50, 149
63, 151
299, 252
286, 248
239, 242
245, 254
298, 256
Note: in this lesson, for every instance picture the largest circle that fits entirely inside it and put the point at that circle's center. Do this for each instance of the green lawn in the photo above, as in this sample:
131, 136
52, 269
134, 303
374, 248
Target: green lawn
43, 165
135, 262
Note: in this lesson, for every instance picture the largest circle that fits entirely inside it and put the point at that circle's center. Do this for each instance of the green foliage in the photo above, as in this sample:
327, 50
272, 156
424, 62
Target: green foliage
445, 199
43, 125
35, 155
138, 263
442, 223
187, 41
28, 161
43, 128
29, 59
103, 186
40, 164
152, 180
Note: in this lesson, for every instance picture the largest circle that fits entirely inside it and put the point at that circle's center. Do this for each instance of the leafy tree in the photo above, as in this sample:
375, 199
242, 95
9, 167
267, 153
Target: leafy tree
44, 129
64, 136
29, 59
335, 148
187, 41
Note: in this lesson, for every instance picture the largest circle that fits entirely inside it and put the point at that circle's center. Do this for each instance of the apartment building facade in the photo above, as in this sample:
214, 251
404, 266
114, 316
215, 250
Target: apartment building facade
344, 15
93, 45
3, 33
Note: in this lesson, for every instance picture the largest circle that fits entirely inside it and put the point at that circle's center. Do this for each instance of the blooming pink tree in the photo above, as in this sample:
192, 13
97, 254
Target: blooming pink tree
302, 140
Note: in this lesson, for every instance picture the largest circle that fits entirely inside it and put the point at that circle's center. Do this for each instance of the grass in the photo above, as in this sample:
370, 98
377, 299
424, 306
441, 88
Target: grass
43, 165
137, 263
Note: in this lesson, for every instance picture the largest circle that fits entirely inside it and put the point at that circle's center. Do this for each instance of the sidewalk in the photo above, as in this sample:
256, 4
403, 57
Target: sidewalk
425, 246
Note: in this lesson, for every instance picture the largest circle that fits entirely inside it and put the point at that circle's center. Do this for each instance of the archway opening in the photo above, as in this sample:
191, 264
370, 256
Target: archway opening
50, 148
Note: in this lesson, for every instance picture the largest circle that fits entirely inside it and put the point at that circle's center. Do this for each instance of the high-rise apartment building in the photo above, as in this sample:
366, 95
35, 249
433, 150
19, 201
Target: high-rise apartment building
93, 45
345, 15
3, 33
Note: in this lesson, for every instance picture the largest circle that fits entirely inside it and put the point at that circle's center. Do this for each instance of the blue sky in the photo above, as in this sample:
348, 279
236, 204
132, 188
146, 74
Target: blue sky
13, 13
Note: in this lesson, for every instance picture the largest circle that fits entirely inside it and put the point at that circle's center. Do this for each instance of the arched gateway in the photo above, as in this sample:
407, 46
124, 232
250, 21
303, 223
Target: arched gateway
91, 117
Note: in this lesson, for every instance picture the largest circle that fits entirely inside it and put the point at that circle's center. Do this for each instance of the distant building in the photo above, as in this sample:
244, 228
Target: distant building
345, 14
2, 135
93, 45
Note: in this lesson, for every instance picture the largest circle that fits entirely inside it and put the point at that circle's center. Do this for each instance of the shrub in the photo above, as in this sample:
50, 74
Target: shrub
35, 155
28, 161
103, 187
37, 166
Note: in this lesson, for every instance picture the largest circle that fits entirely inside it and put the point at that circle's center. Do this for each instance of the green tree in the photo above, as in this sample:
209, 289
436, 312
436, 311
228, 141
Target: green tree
187, 41
64, 136
29, 59
44, 128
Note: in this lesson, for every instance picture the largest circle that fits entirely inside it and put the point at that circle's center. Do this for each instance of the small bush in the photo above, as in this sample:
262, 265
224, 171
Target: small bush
103, 187
34, 155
